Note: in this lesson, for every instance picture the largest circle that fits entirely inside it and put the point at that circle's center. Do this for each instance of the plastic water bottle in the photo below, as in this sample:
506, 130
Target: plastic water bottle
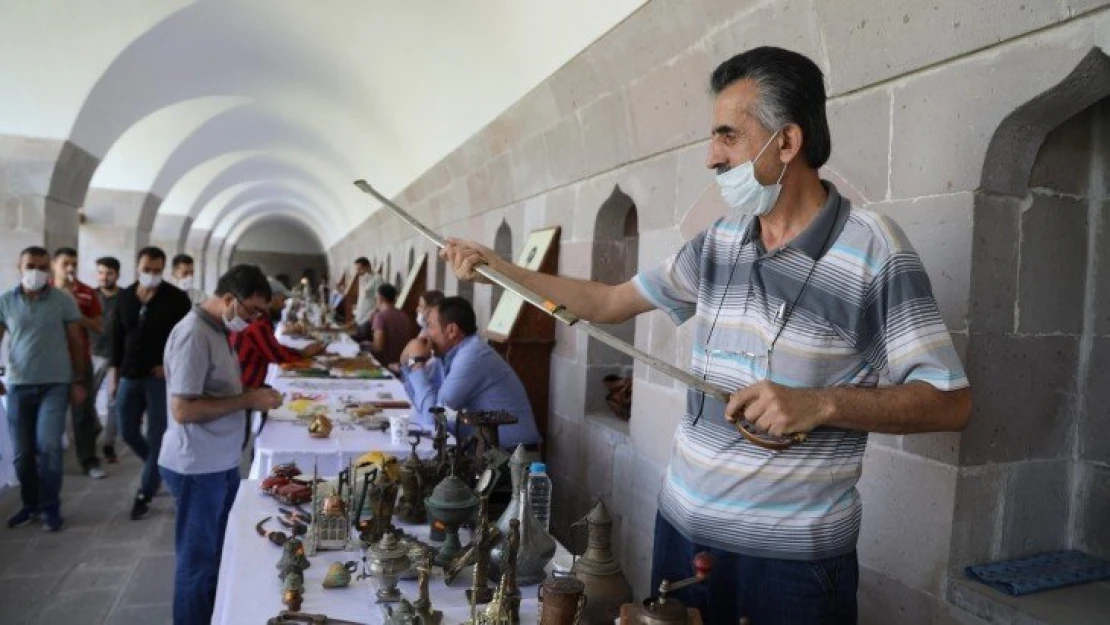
539, 493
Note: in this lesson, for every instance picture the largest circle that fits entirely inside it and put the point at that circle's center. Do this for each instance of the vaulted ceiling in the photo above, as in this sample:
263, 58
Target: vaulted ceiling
233, 111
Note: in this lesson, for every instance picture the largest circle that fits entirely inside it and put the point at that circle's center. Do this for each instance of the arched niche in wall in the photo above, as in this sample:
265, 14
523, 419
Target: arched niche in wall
503, 246
1039, 318
615, 259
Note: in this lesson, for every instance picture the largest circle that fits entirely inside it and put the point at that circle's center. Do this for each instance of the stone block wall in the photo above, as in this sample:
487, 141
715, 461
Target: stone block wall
916, 95
42, 184
117, 223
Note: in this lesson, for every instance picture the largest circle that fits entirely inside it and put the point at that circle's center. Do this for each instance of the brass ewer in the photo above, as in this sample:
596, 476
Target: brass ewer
606, 588
387, 559
537, 547
410, 508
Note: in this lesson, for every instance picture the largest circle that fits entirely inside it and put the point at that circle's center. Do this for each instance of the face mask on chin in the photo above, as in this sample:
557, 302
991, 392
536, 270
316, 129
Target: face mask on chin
149, 280
742, 191
421, 320
34, 279
235, 323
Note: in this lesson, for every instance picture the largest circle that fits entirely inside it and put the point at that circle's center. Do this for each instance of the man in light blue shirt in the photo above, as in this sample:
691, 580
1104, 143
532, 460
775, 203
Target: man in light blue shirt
46, 369
466, 374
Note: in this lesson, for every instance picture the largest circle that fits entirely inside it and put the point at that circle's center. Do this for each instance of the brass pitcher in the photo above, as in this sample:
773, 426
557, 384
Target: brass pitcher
562, 600
606, 588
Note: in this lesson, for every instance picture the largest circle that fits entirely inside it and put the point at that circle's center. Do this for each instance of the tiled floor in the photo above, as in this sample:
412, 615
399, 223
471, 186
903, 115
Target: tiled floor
102, 567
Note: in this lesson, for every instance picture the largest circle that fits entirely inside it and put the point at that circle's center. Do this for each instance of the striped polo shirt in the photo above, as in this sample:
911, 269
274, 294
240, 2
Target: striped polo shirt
846, 303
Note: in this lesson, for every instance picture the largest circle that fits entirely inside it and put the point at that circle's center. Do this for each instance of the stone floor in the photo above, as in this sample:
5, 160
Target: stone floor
102, 567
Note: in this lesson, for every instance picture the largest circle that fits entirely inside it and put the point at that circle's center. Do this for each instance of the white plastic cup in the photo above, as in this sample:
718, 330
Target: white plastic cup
399, 430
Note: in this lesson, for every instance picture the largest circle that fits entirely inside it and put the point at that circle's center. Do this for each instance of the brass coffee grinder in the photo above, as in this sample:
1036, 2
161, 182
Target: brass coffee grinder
663, 611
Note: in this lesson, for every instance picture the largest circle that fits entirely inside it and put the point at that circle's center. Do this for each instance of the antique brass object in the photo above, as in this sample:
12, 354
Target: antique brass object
339, 574
537, 547
288, 617
410, 508
453, 503
387, 559
606, 588
292, 559
320, 427
504, 608
663, 611
562, 598
480, 592
423, 603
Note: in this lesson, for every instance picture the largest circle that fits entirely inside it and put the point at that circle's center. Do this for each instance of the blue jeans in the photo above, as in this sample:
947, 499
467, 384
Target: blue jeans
203, 504
766, 590
37, 419
135, 396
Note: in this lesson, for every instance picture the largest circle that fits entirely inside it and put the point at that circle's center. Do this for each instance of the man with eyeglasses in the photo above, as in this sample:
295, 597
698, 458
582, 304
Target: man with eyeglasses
200, 457
146, 313
817, 317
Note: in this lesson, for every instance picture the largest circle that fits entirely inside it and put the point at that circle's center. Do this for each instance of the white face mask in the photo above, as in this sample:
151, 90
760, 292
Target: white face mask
236, 323
743, 193
421, 320
34, 279
150, 280
185, 283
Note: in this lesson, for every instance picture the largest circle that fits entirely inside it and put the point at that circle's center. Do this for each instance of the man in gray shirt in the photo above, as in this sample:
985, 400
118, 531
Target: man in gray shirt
199, 457
46, 366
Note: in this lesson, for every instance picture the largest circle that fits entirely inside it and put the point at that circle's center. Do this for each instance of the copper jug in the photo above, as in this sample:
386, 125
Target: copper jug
562, 600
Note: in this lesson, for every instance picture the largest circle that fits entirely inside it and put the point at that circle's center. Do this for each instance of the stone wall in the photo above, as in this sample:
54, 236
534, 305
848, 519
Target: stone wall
275, 263
116, 223
916, 94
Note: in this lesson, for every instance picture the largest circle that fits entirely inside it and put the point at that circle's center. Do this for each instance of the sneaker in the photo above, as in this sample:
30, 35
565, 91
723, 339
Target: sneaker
96, 473
23, 517
52, 519
140, 508
109, 452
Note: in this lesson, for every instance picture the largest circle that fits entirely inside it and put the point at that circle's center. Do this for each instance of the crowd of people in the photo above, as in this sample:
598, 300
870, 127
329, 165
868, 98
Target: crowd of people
178, 371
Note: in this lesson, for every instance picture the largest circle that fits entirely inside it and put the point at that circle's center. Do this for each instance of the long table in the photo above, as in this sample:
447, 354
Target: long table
283, 439
249, 590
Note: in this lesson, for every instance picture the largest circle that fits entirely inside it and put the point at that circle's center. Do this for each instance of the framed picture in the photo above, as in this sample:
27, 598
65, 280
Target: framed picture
537, 248
418, 267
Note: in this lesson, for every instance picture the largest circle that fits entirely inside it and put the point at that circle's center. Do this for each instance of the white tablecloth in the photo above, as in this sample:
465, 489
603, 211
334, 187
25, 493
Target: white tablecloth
249, 590
288, 441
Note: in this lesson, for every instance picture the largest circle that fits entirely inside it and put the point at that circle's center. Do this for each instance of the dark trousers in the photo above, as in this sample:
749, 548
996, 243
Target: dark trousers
203, 504
86, 425
37, 420
766, 590
134, 397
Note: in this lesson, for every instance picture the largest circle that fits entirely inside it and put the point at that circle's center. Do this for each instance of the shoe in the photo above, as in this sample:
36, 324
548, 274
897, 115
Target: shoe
140, 508
96, 473
23, 517
52, 519
109, 452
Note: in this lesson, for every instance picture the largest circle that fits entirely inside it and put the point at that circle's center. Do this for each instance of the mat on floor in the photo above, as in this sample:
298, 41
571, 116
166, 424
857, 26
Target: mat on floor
1040, 572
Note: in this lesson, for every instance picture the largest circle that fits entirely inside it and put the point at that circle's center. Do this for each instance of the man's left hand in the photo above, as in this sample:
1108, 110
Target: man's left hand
776, 409
158, 372
419, 347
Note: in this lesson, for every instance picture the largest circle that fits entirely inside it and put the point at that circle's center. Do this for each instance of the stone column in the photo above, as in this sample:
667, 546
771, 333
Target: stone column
211, 263
42, 182
195, 240
169, 233
117, 223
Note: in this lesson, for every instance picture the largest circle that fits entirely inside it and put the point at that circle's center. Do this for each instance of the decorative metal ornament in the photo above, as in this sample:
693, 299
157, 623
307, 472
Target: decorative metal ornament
664, 611
606, 588
387, 559
453, 503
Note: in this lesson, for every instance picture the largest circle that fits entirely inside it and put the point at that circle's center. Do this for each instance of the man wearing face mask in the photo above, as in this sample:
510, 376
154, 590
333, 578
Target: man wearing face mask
46, 370
426, 301
86, 426
200, 457
801, 305
146, 313
464, 373
183, 276
257, 346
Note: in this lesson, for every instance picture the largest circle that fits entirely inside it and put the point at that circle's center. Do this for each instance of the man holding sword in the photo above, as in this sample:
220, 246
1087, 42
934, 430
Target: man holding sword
817, 317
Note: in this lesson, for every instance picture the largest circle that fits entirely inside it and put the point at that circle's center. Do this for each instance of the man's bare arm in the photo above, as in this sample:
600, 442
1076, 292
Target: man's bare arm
92, 324
592, 301
205, 409
909, 408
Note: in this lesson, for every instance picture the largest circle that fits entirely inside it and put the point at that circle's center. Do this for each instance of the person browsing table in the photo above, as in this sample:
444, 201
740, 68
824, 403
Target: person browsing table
257, 346
464, 374
199, 458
